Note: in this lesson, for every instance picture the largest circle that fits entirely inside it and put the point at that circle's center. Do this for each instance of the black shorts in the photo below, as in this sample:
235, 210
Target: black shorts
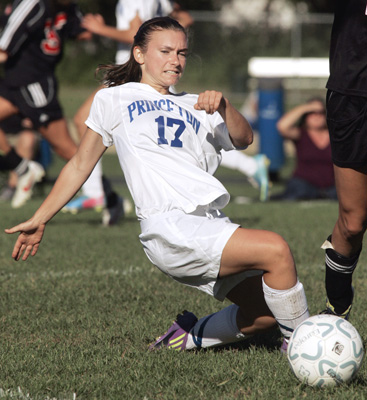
347, 123
37, 101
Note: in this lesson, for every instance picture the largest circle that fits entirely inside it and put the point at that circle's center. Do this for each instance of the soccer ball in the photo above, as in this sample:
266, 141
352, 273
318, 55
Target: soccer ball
325, 350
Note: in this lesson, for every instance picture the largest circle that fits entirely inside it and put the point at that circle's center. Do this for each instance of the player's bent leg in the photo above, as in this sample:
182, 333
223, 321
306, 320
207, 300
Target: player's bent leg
277, 293
58, 135
253, 249
7, 109
262, 250
254, 315
248, 316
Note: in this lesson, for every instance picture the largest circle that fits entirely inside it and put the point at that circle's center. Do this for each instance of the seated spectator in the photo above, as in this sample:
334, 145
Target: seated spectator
313, 177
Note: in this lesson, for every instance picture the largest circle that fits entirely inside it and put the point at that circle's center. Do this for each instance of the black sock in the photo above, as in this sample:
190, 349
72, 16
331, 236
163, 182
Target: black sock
10, 161
338, 279
111, 196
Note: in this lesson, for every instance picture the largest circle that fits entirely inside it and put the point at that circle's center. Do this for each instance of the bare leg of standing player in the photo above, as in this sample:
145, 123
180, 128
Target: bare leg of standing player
345, 244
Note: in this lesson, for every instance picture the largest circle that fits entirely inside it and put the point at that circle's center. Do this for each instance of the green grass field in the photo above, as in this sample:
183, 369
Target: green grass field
76, 320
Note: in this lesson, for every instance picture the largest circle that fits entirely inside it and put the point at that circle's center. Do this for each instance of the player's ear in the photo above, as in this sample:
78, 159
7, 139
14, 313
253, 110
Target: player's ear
138, 55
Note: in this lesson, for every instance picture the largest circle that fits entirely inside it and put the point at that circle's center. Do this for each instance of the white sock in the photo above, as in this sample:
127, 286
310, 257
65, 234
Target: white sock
239, 161
215, 329
289, 306
93, 186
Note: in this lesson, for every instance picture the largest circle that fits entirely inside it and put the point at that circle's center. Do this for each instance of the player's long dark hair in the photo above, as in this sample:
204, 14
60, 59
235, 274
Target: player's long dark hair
115, 74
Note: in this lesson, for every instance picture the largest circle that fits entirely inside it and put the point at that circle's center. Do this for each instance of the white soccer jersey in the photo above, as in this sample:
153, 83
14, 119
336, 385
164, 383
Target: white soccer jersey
167, 150
126, 11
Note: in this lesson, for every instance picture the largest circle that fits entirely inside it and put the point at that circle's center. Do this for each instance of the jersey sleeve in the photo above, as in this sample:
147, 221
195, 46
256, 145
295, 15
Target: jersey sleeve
24, 19
125, 13
166, 7
99, 119
220, 132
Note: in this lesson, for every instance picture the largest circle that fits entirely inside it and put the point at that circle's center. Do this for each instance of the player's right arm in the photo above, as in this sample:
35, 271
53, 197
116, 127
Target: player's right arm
71, 178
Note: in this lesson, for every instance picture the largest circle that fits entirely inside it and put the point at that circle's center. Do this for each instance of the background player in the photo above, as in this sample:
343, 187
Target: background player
168, 147
31, 45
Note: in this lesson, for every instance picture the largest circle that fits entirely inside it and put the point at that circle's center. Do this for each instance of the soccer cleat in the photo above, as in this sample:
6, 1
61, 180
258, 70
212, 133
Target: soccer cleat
23, 192
261, 177
176, 336
7, 193
84, 203
330, 309
112, 213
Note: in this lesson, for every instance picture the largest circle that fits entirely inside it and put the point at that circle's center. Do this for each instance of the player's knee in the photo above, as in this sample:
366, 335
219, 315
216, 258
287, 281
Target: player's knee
352, 226
281, 255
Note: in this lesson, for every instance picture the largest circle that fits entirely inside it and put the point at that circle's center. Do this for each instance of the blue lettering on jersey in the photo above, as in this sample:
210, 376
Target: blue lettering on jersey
140, 107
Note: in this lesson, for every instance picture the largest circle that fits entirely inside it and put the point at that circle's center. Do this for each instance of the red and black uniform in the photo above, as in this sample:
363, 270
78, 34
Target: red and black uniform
33, 37
347, 84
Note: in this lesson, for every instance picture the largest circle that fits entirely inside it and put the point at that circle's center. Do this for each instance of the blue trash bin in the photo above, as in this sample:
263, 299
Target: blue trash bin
45, 154
270, 111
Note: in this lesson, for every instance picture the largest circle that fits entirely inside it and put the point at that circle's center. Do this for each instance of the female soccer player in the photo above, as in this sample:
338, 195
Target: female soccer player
169, 147
130, 14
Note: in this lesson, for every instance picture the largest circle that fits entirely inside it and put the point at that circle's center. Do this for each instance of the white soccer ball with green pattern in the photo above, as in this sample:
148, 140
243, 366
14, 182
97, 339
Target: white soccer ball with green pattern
325, 350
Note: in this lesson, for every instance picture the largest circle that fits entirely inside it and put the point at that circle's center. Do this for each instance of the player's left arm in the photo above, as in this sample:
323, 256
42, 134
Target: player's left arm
238, 127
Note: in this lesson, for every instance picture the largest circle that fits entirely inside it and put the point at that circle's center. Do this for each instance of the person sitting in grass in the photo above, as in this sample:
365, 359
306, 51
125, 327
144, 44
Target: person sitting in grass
169, 147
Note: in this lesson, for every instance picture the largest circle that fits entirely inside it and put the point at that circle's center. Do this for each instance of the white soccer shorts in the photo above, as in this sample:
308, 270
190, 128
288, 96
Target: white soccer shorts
189, 247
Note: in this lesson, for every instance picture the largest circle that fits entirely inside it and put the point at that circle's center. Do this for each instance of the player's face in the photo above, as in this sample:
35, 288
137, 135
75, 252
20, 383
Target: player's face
164, 61
316, 121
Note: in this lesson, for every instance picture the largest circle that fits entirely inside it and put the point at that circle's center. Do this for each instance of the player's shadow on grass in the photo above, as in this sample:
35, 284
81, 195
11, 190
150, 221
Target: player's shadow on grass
269, 340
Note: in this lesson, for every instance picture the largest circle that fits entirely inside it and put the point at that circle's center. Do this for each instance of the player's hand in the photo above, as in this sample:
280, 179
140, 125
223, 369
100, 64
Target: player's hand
210, 101
29, 239
94, 23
